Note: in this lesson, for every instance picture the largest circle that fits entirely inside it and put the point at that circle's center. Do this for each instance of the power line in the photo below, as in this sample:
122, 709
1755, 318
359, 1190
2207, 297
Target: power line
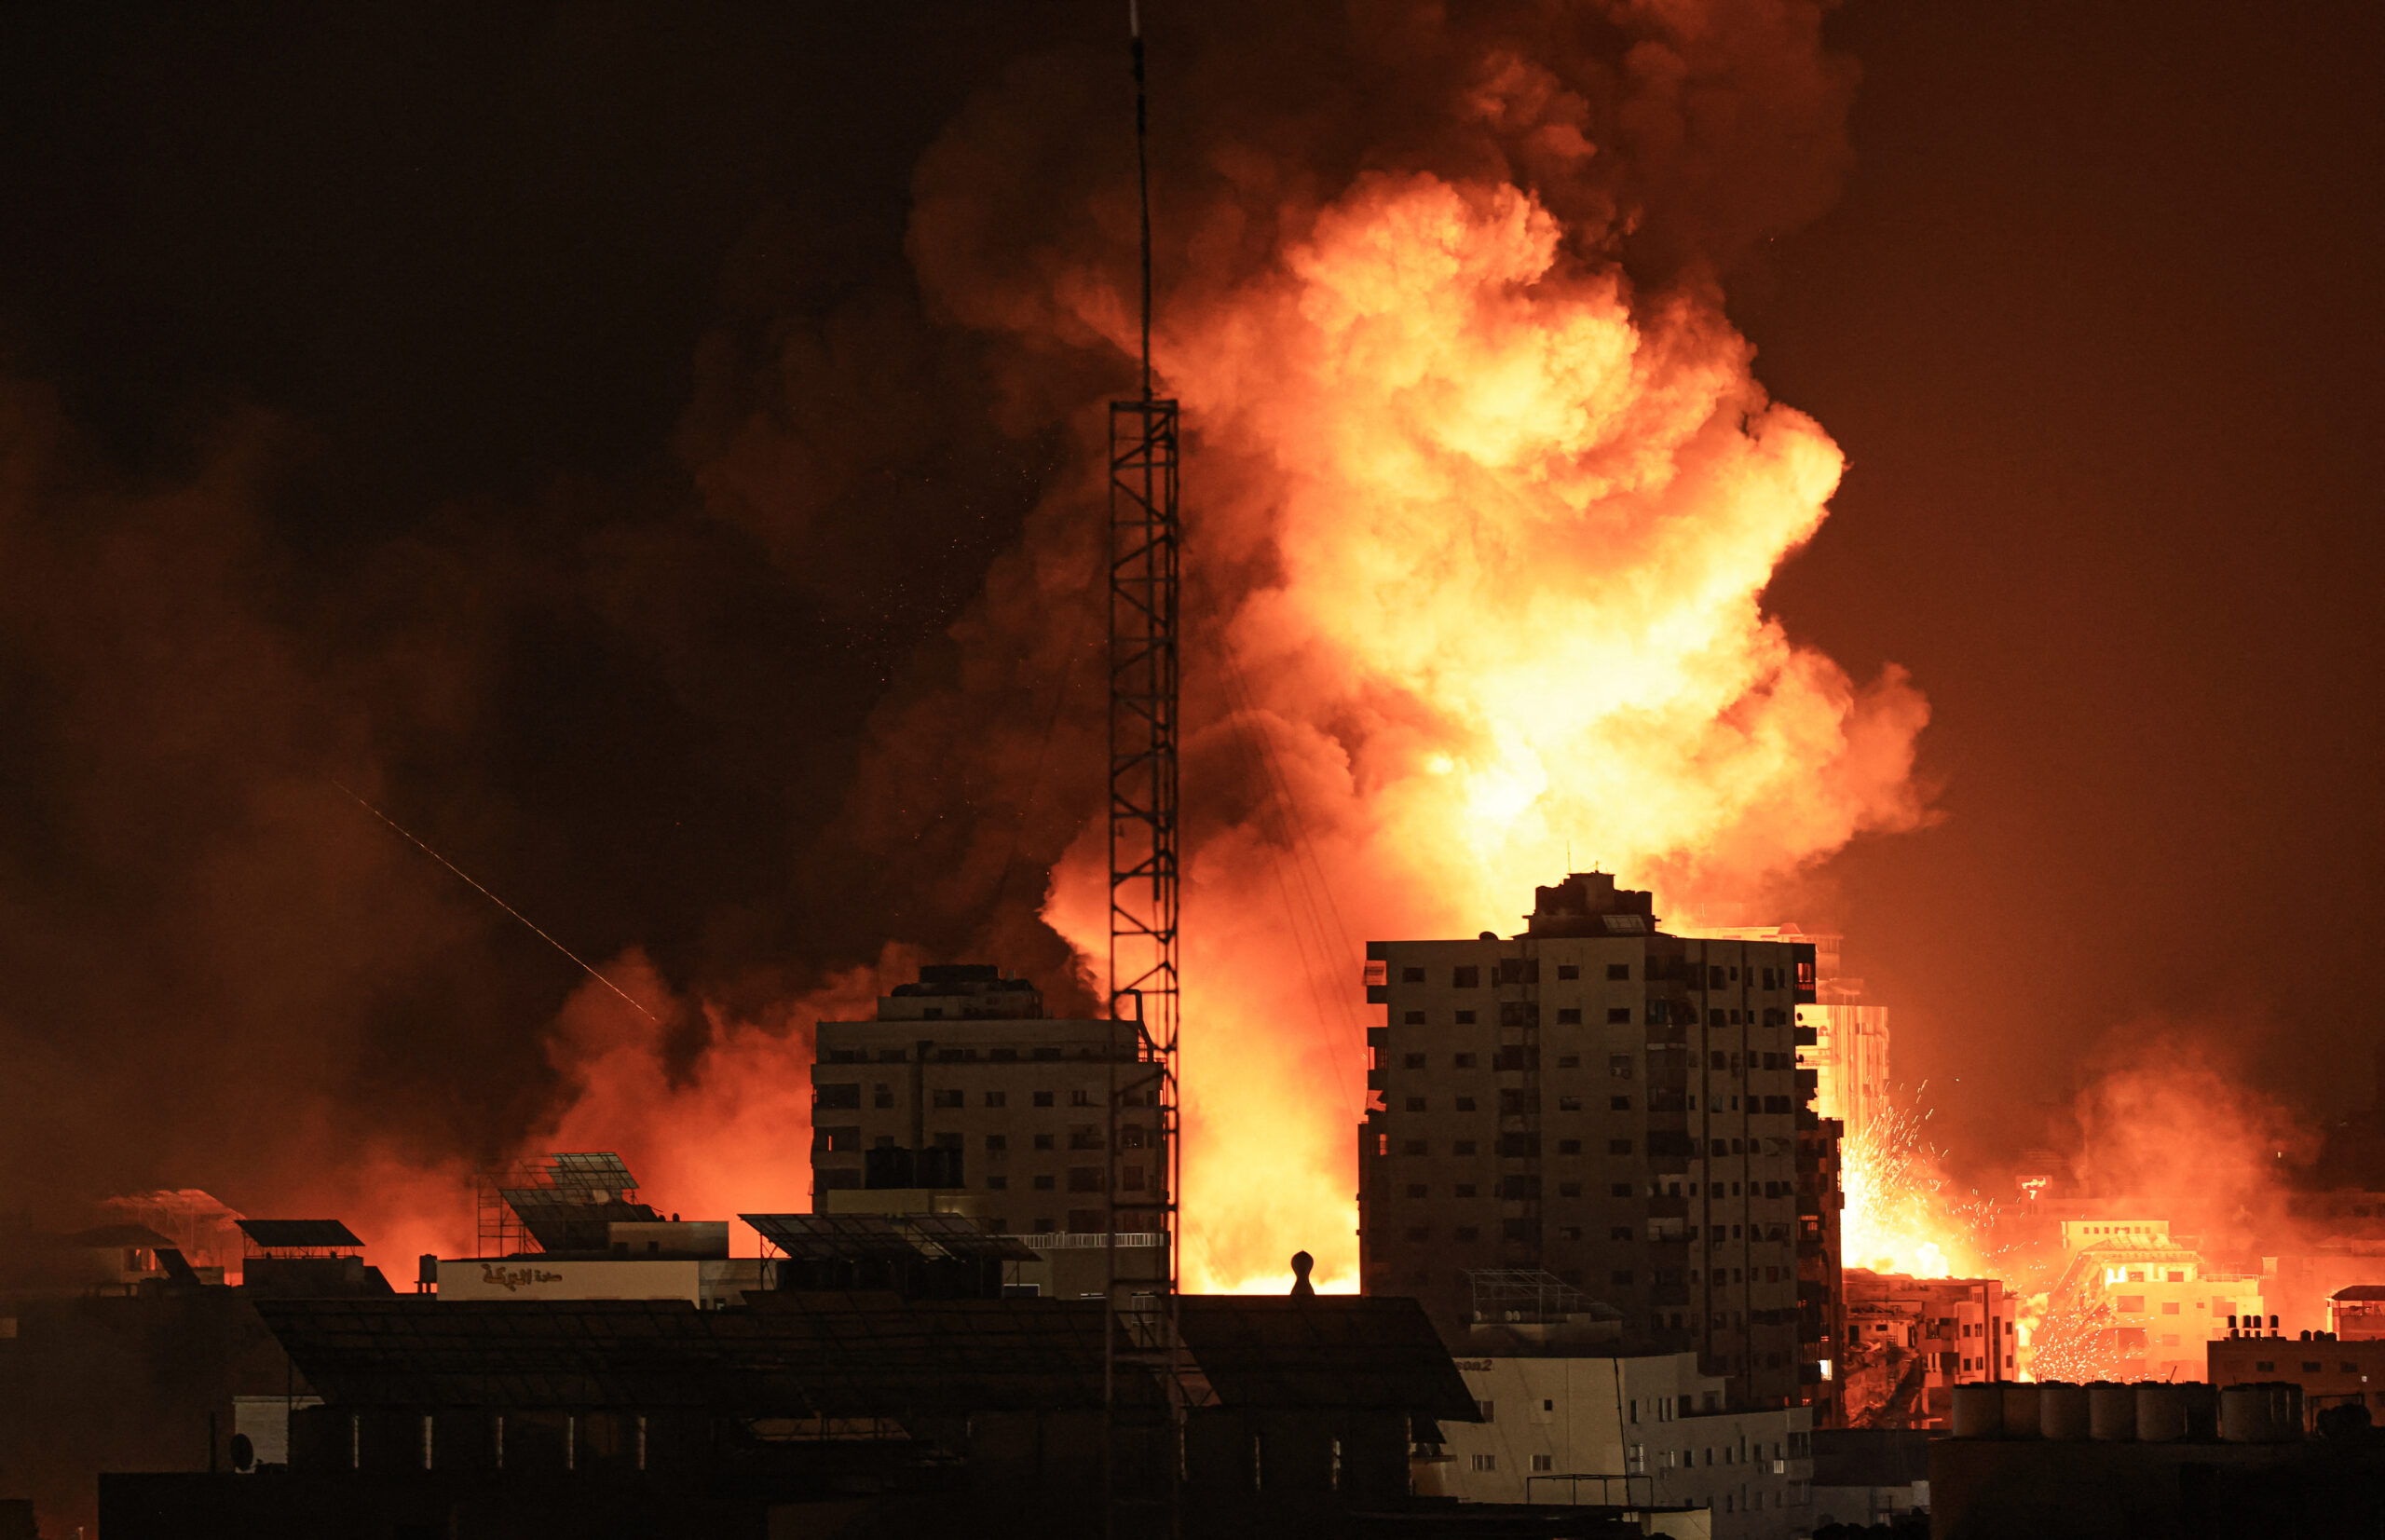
500, 903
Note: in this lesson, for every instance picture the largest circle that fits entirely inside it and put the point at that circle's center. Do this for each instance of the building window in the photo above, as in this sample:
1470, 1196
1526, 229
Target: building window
1418, 1189
1569, 1189
1544, 1462
997, 1184
1569, 1061
1618, 972
1618, 1104
1569, 1015
1568, 1147
1044, 1183
1080, 1099
1569, 970
997, 1142
1620, 1016
1412, 1061
1618, 1147
1569, 1104
1412, 976
1413, 1019
837, 1139
1042, 1099
1463, 1061
1486, 1462
998, 1098
1047, 1053
1133, 1178
1466, 1019
1465, 978
1466, 1190
1489, 1414
1085, 1179
1465, 1104
1569, 1231
1621, 1277
1620, 1189
1411, 1147
1468, 1233
1415, 1104
1045, 1141
942, 1099
1420, 1232
835, 1096
1463, 1147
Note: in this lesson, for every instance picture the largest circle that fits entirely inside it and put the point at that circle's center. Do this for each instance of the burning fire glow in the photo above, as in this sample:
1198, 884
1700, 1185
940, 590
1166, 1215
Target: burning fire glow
1478, 534
1900, 1217
1516, 521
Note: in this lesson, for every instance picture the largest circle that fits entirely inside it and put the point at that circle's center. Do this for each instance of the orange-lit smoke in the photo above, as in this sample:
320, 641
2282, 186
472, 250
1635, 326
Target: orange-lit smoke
2168, 1125
1515, 522
728, 1132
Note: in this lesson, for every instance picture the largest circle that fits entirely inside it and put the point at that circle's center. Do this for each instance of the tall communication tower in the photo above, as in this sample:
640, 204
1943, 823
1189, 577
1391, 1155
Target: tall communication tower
1144, 557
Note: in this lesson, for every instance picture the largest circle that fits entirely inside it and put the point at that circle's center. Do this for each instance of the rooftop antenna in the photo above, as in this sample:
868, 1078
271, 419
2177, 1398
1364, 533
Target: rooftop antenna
1144, 552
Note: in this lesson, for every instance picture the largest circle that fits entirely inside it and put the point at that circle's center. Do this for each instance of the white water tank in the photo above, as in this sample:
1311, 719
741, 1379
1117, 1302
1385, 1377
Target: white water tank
2160, 1413
2020, 1409
2061, 1410
2111, 1412
2247, 1415
1979, 1411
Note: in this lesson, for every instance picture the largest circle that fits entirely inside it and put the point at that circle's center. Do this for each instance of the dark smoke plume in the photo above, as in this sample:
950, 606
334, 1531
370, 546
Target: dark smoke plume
777, 650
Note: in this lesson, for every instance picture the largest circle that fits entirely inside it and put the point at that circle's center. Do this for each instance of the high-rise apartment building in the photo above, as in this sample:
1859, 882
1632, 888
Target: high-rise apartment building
1821, 1280
963, 1085
1846, 1042
1599, 1100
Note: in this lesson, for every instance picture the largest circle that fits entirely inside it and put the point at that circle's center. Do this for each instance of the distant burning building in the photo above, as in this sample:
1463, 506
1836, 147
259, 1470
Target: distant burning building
1911, 1341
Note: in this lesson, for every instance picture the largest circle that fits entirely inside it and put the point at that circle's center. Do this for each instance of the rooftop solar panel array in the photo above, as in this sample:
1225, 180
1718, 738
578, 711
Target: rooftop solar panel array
855, 1354
298, 1234
1354, 1351
885, 1238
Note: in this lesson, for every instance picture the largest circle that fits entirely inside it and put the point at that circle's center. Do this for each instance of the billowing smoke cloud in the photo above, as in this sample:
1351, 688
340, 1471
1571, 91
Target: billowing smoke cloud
1483, 497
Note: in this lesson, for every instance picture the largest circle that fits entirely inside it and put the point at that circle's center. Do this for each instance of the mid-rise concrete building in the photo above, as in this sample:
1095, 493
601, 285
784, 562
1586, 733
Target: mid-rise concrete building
1602, 1102
1911, 1341
1644, 1432
963, 1085
1844, 1036
2329, 1371
2153, 1304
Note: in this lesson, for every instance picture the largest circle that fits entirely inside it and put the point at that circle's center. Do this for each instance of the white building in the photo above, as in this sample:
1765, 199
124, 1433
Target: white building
1646, 1433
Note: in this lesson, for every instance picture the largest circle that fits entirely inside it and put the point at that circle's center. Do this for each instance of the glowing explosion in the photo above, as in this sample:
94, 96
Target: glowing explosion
1899, 1216
1519, 522
1476, 540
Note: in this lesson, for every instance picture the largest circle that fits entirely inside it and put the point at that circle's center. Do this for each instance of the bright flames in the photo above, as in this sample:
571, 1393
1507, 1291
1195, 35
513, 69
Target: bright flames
1517, 522
1900, 1217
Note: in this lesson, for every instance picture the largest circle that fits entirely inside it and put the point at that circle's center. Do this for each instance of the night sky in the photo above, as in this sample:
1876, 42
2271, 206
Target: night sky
367, 374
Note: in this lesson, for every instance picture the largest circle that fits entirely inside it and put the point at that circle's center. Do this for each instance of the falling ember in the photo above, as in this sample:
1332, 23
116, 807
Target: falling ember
1516, 520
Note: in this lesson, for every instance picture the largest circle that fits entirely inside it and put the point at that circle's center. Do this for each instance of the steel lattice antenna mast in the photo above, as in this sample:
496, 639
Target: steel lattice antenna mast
1144, 550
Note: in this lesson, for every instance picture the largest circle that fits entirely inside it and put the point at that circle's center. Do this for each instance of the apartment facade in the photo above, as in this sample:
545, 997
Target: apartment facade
1645, 1432
963, 1085
1911, 1341
1601, 1101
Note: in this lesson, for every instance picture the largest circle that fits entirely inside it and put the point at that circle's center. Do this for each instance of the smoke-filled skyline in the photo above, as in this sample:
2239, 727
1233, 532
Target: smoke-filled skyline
658, 487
